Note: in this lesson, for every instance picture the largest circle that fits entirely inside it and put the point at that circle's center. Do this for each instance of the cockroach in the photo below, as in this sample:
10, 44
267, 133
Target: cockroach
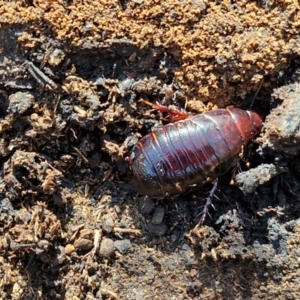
194, 149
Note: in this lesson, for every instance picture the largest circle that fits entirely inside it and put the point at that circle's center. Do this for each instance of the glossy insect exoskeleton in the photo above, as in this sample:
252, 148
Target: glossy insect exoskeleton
181, 156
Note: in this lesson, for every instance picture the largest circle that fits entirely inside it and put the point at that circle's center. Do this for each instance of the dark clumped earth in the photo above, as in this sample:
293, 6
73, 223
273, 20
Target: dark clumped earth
71, 77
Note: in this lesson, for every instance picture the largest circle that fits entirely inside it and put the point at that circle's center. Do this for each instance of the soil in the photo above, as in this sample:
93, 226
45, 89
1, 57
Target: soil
71, 77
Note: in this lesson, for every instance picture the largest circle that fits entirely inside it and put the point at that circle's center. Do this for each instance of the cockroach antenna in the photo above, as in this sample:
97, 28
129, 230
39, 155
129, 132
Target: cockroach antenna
257, 91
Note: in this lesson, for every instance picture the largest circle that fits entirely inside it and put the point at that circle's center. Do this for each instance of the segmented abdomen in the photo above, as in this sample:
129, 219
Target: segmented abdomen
183, 155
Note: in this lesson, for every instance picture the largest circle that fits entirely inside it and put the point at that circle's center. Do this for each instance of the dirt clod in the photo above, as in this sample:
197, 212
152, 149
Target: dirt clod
248, 181
20, 102
71, 77
281, 134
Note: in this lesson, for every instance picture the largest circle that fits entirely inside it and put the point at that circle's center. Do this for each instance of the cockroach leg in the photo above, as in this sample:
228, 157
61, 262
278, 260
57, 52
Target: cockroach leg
208, 204
236, 170
176, 115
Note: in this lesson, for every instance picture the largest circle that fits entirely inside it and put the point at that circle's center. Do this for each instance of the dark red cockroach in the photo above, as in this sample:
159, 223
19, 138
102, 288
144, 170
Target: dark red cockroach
181, 156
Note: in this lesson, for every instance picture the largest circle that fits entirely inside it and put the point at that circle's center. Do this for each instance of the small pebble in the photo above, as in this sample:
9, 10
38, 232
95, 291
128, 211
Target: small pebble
193, 272
157, 230
108, 224
60, 256
123, 246
107, 247
146, 206
69, 248
83, 244
158, 215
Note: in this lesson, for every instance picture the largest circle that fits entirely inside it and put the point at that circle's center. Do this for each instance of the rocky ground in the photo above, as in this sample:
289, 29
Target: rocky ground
71, 75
